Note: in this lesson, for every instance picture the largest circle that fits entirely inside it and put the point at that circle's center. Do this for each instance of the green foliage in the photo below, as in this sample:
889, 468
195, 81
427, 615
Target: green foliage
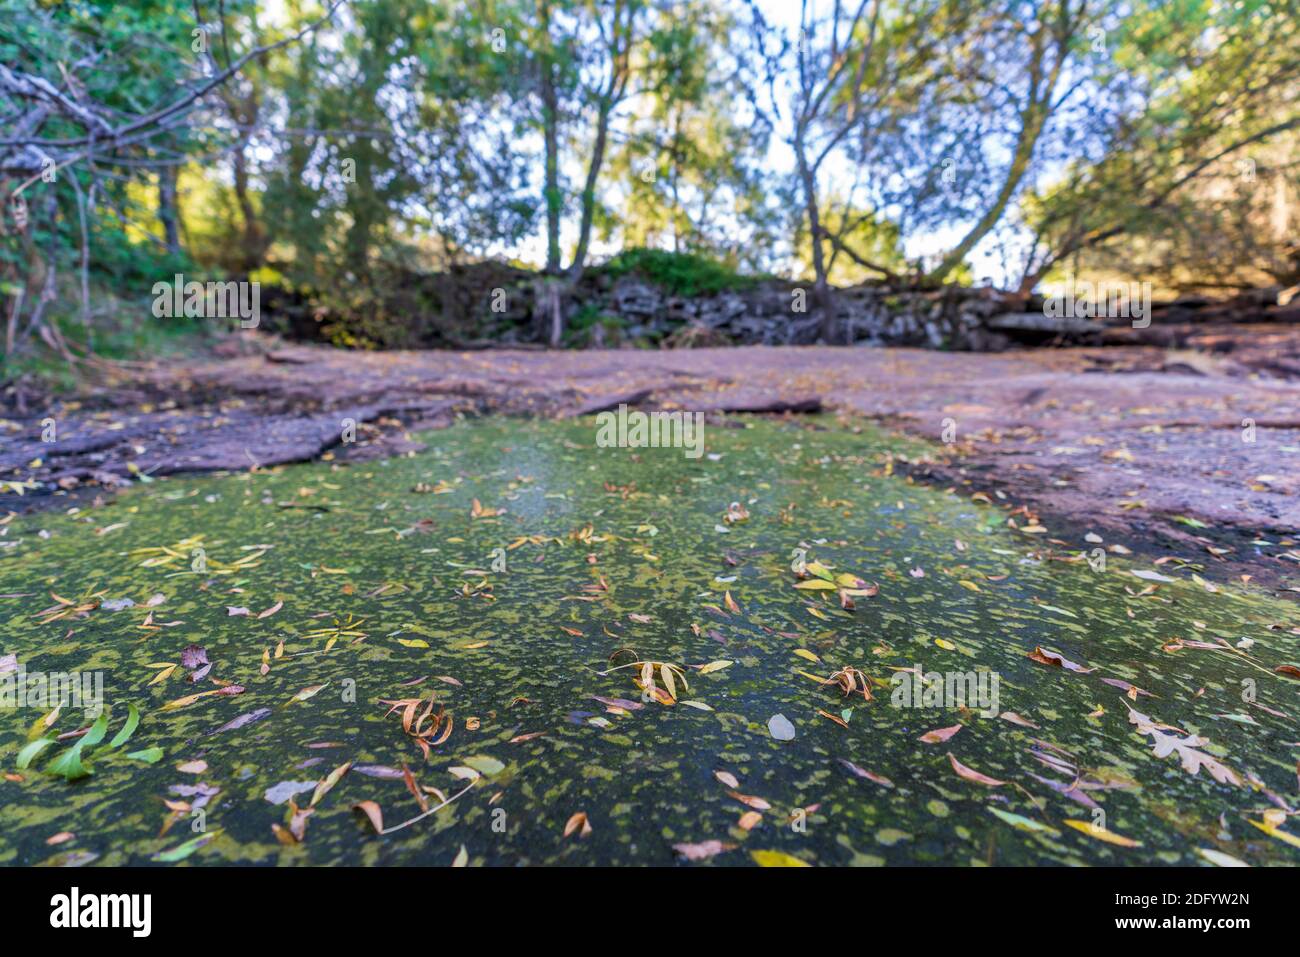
683, 274
406, 140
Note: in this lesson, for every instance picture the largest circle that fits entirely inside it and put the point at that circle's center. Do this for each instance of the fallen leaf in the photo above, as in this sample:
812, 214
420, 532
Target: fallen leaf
727, 778
972, 775
703, 850
1052, 658
578, 822
864, 773
373, 813
779, 727
776, 859
940, 734
1101, 834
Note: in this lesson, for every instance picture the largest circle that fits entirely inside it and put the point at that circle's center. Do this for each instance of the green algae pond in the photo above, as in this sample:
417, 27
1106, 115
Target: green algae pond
518, 648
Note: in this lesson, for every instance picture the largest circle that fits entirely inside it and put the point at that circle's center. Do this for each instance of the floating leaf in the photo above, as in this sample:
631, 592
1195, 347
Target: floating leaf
1058, 661
1219, 858
776, 859
779, 727
1023, 823
939, 735
29, 752
374, 814
309, 692
484, 764
327, 783
132, 721
578, 822
1281, 835
182, 851
703, 850
1101, 834
972, 775
1186, 748
1151, 576
864, 773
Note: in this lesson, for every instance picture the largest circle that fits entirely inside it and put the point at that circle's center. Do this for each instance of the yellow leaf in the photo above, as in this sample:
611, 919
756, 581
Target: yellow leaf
1279, 834
307, 692
820, 570
776, 859
666, 673
1101, 834
805, 653
327, 783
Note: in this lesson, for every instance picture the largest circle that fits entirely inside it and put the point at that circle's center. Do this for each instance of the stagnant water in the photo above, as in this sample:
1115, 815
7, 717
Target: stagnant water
392, 590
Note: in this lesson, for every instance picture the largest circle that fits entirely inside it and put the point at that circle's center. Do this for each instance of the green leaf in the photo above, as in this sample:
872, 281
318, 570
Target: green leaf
1022, 822
132, 721
484, 764
96, 732
182, 851
148, 755
26, 755
69, 764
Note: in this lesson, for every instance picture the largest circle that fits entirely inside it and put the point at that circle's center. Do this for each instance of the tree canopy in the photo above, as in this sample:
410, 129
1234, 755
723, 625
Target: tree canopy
332, 146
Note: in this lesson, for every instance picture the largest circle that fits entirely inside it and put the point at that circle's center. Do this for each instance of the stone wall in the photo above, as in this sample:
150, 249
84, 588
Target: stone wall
953, 317
488, 304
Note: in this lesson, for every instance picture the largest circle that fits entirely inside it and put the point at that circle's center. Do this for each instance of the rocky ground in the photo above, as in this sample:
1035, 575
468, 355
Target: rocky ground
1181, 451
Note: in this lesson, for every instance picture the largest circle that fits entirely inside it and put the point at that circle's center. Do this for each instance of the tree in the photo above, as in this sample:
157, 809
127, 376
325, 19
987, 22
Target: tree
1212, 84
95, 97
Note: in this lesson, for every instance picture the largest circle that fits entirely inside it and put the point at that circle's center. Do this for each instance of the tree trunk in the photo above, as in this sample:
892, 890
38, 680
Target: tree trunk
821, 287
1033, 125
253, 241
550, 132
168, 211
589, 191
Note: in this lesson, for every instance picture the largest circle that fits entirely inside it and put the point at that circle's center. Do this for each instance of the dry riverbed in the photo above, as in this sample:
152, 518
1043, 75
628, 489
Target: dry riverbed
1161, 452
